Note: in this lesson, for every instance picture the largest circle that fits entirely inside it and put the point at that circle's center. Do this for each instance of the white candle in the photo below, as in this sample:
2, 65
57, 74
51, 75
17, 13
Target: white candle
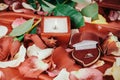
55, 25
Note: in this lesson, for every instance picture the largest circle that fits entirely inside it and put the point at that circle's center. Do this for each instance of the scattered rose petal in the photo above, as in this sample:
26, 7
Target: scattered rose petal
42, 13
40, 53
69, 50
88, 74
111, 45
2, 76
5, 44
3, 6
119, 15
17, 22
53, 73
73, 32
63, 74
15, 46
18, 58
3, 30
9, 1
20, 10
81, 36
108, 71
113, 15
117, 61
62, 59
27, 6
99, 63
114, 70
14, 5
34, 39
32, 67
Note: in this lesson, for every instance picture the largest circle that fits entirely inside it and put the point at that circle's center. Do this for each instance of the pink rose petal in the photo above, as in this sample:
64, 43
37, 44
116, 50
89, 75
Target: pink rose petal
18, 22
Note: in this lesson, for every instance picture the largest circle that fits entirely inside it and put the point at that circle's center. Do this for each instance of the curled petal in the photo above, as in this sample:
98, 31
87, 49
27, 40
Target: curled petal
27, 6
20, 10
18, 58
14, 5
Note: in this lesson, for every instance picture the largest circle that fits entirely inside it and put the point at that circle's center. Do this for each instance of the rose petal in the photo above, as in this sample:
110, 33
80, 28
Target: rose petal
9, 1
53, 73
113, 15
111, 45
3, 6
5, 44
15, 46
20, 10
88, 74
14, 5
2, 76
40, 53
27, 6
17, 22
62, 60
32, 67
114, 70
18, 58
34, 39
3, 30
63, 74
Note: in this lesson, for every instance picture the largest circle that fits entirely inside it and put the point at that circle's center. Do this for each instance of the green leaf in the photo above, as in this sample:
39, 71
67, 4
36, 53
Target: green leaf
20, 38
91, 11
34, 30
32, 3
23, 28
49, 4
79, 1
71, 3
66, 10
46, 9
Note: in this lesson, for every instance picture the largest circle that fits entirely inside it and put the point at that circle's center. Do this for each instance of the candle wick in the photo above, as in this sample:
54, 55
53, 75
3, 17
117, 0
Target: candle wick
55, 27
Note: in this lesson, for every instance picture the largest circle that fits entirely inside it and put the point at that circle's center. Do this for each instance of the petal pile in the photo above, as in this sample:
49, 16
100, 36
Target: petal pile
17, 59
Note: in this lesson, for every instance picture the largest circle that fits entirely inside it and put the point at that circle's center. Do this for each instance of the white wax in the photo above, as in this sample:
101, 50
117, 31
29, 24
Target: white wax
55, 25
